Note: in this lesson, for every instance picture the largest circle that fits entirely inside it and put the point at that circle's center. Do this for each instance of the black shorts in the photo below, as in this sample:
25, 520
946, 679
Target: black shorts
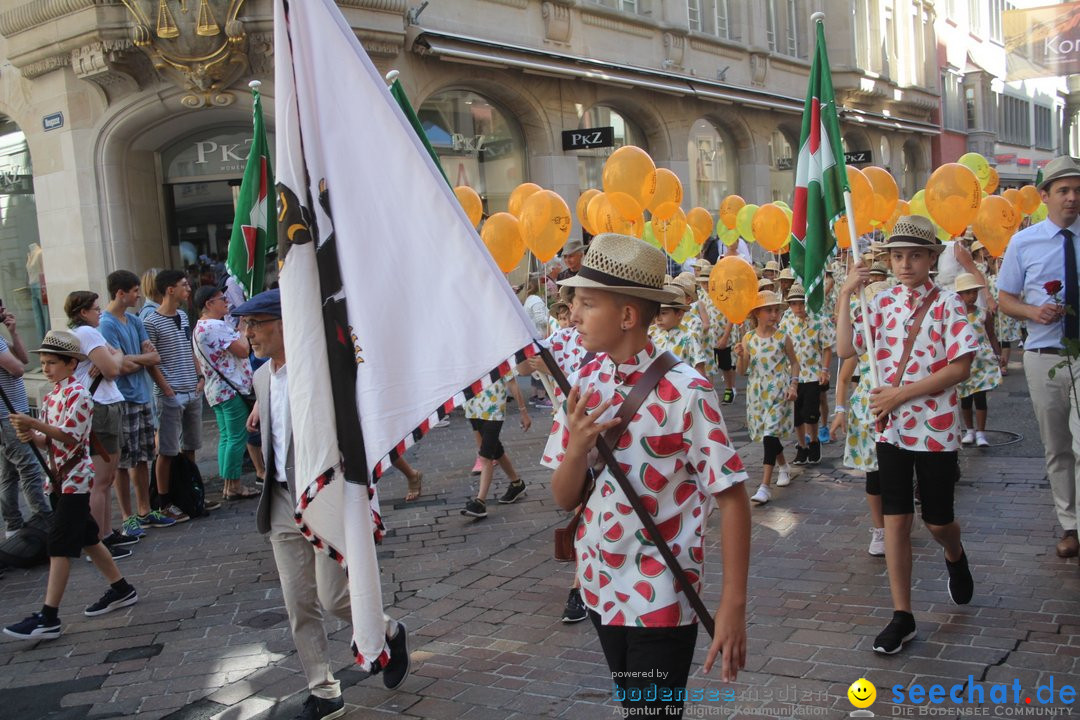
723, 358
490, 446
807, 401
936, 473
72, 527
825, 386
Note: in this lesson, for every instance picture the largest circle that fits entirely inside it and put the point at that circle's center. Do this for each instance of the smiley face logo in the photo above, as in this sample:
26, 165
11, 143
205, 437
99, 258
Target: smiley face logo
862, 693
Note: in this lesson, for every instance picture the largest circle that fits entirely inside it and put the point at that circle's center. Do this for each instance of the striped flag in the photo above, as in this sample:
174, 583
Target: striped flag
820, 179
254, 231
394, 311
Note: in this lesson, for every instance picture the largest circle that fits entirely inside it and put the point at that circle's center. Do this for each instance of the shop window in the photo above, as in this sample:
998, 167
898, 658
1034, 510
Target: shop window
781, 168
712, 166
23, 291
478, 143
591, 162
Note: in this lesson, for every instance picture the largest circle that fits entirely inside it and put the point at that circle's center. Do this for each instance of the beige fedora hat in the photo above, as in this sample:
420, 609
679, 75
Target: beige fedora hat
572, 246
914, 231
557, 307
786, 274
63, 343
677, 301
967, 281
879, 268
873, 289
977, 246
1058, 168
796, 293
767, 298
771, 265
685, 281
765, 283
623, 264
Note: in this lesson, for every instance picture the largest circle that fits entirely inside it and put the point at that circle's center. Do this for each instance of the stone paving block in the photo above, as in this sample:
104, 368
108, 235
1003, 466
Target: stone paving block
245, 709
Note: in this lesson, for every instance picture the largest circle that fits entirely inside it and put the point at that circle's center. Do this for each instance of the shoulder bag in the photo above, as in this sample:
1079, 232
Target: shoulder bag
248, 397
909, 343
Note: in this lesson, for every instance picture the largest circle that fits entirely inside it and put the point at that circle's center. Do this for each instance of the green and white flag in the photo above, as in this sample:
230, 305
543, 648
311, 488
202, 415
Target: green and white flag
820, 180
254, 231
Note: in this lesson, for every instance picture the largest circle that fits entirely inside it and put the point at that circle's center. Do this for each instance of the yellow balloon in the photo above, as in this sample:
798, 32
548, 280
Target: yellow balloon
582, 209
729, 208
977, 164
686, 248
917, 205
670, 231
668, 189
545, 224
744, 222
470, 203
886, 193
630, 170
1040, 213
953, 195
733, 287
517, 197
992, 181
700, 221
1013, 196
1029, 199
771, 227
995, 224
502, 236
618, 213
728, 236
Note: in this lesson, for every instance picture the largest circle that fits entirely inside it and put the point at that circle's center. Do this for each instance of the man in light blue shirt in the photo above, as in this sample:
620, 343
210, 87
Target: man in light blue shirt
1038, 284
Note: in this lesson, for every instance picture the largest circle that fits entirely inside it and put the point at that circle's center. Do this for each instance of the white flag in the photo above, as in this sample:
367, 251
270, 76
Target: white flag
394, 311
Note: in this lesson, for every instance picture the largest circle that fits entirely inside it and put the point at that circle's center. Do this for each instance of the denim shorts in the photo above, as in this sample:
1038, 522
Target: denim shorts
179, 423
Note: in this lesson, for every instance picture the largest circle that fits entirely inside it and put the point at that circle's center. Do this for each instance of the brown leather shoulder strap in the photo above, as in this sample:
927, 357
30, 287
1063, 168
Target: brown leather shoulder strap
913, 334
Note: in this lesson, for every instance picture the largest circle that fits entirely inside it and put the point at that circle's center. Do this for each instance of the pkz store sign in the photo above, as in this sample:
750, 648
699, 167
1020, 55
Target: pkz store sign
588, 138
858, 157
219, 155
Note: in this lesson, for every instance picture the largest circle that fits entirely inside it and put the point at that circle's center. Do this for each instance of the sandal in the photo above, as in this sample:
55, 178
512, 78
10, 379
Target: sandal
244, 493
414, 486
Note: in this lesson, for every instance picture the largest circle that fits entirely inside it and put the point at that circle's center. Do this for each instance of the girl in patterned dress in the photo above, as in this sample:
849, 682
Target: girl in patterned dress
767, 356
1008, 329
486, 411
985, 368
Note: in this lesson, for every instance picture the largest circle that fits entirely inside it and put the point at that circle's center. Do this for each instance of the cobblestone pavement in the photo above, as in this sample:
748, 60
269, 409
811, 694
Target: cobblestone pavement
482, 601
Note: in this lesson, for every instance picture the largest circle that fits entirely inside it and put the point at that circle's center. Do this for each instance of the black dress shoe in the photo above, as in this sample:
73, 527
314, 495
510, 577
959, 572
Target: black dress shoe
320, 709
397, 669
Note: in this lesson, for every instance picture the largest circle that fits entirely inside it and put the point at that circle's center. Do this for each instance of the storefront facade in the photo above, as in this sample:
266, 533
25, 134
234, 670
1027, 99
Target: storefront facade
133, 146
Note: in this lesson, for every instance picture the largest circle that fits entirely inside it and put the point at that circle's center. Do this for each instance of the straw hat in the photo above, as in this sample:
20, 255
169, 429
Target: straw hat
786, 274
623, 264
874, 288
676, 290
771, 265
685, 281
63, 343
558, 307
879, 268
767, 298
796, 293
765, 283
967, 281
1058, 168
702, 270
572, 246
914, 231
977, 246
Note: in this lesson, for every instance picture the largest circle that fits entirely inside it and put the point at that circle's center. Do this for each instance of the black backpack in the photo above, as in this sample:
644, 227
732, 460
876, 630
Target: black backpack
28, 547
186, 489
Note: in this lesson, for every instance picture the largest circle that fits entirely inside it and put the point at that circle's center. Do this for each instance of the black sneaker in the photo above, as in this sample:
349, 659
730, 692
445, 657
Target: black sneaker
475, 508
813, 455
575, 610
896, 633
112, 600
397, 669
117, 552
320, 709
119, 539
800, 455
729, 396
961, 585
513, 492
35, 627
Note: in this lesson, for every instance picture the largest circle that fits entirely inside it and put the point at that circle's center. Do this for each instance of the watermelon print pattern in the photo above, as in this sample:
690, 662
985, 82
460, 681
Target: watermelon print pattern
769, 375
68, 406
490, 404
681, 343
860, 442
931, 422
678, 455
808, 338
985, 370
568, 352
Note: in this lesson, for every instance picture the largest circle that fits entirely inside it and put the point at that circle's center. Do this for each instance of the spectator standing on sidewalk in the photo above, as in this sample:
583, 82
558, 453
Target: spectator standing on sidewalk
313, 584
1047, 252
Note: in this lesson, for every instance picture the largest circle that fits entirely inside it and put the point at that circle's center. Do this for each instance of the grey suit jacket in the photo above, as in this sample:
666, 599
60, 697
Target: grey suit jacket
262, 395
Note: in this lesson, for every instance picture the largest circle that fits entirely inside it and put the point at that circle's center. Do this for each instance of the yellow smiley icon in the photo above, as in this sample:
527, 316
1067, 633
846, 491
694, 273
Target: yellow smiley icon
862, 693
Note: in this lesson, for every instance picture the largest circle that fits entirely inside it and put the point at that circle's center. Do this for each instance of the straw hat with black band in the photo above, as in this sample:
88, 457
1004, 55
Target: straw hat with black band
914, 231
765, 283
625, 265
1059, 168
796, 294
767, 298
677, 304
62, 343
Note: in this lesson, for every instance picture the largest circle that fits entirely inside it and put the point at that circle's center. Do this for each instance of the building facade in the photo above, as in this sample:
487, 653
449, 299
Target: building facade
124, 123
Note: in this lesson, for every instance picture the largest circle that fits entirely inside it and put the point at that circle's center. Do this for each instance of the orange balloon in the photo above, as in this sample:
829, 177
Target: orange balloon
545, 224
886, 193
1013, 196
842, 233
668, 189
991, 182
733, 287
700, 221
502, 236
592, 211
583, 207
953, 194
670, 231
902, 208
618, 213
729, 208
471, 203
517, 197
1029, 199
862, 199
664, 211
995, 224
630, 170
771, 227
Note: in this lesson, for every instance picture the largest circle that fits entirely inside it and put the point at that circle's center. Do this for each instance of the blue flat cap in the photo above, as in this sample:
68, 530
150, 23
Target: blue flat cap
267, 302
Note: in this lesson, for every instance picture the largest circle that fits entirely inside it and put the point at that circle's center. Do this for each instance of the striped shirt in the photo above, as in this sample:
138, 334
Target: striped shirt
14, 388
171, 335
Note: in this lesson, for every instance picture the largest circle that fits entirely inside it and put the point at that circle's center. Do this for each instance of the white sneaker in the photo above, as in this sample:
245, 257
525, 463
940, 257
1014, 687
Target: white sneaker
980, 439
783, 479
877, 542
8, 534
762, 495
969, 438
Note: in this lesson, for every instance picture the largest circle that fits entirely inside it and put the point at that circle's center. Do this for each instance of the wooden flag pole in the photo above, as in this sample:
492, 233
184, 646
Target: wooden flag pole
868, 339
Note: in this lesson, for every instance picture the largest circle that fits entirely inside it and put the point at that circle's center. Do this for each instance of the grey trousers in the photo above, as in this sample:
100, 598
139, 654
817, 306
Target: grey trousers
19, 469
1059, 429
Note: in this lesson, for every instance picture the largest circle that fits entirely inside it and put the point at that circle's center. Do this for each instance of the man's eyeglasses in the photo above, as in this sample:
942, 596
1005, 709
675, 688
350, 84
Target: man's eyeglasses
253, 324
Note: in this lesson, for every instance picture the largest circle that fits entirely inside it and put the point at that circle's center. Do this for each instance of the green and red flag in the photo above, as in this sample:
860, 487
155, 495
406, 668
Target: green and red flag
820, 180
254, 230
406, 107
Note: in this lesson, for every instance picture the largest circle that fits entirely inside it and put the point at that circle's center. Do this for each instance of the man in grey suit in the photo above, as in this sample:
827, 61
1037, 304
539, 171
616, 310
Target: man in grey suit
311, 582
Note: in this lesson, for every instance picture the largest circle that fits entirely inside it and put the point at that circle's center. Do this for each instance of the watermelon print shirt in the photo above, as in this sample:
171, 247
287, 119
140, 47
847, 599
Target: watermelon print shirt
931, 422
568, 352
677, 454
68, 406
682, 344
808, 337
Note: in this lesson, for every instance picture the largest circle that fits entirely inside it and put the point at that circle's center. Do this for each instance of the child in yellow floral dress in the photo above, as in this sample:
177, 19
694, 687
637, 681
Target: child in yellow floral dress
985, 368
767, 356
486, 411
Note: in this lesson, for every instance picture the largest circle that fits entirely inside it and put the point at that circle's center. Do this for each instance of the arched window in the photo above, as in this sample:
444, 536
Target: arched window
591, 162
781, 168
22, 274
711, 154
911, 171
478, 143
